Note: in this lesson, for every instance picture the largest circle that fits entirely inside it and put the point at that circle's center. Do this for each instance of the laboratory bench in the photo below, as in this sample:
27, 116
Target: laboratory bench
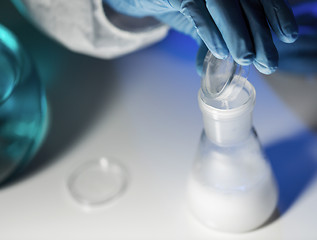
141, 109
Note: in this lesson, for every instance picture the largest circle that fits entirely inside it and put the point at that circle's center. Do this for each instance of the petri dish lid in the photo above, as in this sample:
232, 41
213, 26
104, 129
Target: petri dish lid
97, 182
219, 74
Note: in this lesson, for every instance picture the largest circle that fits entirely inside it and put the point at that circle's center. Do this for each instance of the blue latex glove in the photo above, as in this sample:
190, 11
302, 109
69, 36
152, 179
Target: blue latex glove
238, 27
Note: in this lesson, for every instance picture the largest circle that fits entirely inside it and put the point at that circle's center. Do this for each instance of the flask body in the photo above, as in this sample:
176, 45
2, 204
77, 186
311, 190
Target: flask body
23, 107
231, 187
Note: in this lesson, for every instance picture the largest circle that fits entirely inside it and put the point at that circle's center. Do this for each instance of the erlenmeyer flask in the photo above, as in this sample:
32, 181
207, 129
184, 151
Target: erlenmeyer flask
23, 108
231, 187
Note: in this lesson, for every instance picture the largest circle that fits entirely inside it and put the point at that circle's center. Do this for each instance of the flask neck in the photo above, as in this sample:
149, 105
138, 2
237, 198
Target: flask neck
231, 125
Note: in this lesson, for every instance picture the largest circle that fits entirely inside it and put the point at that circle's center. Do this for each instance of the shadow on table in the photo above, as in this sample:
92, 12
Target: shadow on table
294, 160
294, 163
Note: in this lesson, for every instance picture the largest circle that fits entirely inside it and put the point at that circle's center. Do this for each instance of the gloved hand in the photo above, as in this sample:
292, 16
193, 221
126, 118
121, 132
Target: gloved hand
238, 27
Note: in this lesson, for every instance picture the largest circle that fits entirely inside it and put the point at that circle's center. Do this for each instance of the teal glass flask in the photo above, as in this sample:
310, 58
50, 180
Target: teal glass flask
23, 107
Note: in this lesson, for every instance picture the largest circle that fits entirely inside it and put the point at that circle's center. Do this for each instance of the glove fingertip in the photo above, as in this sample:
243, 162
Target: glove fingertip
290, 38
267, 70
245, 60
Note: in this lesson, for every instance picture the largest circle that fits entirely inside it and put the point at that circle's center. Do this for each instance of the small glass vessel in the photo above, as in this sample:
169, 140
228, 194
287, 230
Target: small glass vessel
231, 187
98, 182
23, 107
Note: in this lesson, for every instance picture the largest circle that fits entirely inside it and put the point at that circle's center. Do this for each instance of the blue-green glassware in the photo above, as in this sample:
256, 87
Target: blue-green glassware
23, 107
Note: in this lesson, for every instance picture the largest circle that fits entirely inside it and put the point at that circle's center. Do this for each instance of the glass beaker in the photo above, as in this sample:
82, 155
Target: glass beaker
231, 186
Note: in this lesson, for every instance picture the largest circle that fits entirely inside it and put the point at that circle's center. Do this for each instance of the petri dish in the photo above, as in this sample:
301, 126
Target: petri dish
222, 78
98, 182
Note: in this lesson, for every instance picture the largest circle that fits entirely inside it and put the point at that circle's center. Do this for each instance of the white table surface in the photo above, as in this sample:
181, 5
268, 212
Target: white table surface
142, 109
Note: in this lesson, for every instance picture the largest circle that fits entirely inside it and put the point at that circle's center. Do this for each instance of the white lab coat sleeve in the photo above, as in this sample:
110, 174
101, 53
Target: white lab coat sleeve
82, 26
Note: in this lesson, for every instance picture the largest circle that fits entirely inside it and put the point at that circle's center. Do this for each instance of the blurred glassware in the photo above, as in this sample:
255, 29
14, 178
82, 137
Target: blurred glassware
98, 182
23, 107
